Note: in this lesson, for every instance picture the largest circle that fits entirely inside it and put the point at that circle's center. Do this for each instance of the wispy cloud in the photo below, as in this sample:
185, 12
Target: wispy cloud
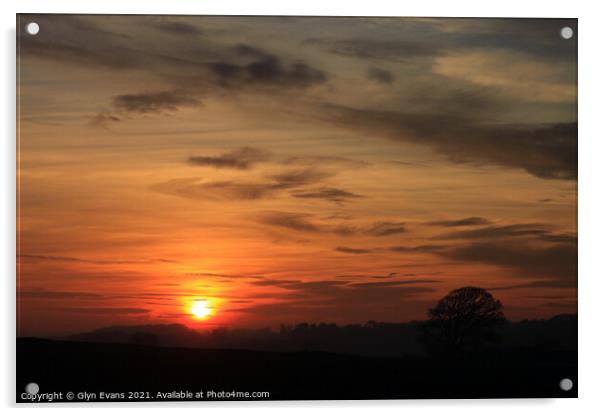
310, 223
382, 76
463, 222
351, 250
243, 158
291, 220
49, 294
390, 283
542, 232
67, 259
385, 228
176, 27
427, 248
107, 311
103, 119
154, 102
470, 84
467, 141
298, 177
270, 186
328, 194
557, 262
386, 49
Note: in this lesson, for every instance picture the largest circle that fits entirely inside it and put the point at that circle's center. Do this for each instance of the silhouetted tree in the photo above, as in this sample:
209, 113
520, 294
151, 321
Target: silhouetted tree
465, 318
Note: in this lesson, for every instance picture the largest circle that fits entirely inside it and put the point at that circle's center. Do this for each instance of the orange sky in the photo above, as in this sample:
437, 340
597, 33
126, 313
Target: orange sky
292, 170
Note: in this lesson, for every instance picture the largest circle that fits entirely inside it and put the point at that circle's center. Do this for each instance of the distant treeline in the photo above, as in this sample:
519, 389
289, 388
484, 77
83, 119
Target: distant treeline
370, 339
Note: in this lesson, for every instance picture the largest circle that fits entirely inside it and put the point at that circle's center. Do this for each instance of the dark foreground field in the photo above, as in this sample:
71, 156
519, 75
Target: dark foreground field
66, 366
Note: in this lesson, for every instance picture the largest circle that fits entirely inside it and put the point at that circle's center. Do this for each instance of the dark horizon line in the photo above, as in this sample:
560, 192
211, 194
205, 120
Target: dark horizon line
271, 328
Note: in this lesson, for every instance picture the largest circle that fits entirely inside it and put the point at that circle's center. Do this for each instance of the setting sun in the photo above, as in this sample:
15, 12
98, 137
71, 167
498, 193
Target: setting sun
200, 309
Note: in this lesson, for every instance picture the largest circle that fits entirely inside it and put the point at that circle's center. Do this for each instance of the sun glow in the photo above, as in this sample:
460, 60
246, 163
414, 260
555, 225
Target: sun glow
200, 309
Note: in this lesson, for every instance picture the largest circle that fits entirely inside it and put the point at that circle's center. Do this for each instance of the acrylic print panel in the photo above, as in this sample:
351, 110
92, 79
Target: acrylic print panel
274, 208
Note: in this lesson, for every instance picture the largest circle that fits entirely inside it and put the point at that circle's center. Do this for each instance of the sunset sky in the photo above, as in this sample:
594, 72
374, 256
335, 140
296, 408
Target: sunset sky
288, 169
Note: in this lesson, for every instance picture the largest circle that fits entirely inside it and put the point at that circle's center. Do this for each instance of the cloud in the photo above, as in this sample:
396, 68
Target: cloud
572, 304
428, 248
340, 297
349, 301
77, 40
45, 258
44, 294
539, 81
557, 262
547, 151
547, 284
345, 293
456, 100
222, 275
384, 276
559, 238
38, 257
265, 70
385, 228
177, 27
509, 34
332, 161
530, 250
235, 190
298, 177
314, 285
189, 69
154, 102
108, 311
395, 283
229, 190
329, 194
539, 231
468, 56
303, 223
308, 169
194, 188
350, 250
243, 158
274, 282
413, 164
385, 49
343, 230
345, 309
381, 76
293, 221
463, 222
103, 119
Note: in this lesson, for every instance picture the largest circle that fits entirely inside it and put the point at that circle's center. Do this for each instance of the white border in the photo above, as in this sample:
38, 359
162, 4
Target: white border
590, 206
508, 8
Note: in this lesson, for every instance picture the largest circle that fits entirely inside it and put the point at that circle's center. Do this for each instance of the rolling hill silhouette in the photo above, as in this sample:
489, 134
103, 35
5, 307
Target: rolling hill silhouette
302, 362
379, 339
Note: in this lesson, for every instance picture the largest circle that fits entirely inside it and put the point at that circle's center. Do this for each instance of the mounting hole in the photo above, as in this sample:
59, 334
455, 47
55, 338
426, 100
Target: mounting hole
566, 384
32, 388
32, 28
566, 32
